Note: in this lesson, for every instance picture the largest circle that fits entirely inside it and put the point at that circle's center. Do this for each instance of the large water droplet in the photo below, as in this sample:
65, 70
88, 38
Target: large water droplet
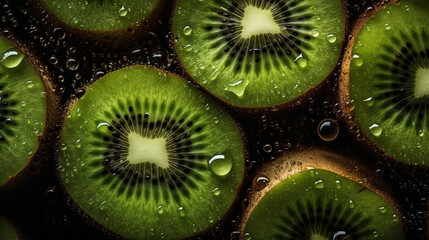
182, 212
123, 12
328, 129
11, 58
375, 129
331, 38
357, 61
220, 165
187, 30
260, 182
238, 87
315, 33
319, 184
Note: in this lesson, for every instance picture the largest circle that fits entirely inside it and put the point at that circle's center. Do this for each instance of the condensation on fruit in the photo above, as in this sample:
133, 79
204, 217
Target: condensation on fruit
328, 129
375, 129
220, 165
357, 61
260, 181
11, 58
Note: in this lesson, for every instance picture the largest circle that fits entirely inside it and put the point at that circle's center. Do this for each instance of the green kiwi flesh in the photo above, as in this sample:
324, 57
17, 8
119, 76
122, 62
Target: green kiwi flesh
321, 205
149, 156
7, 232
22, 110
389, 80
257, 53
100, 15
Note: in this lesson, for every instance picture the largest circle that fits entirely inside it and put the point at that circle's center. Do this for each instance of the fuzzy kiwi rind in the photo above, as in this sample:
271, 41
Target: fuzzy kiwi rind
388, 80
22, 110
7, 231
319, 204
282, 66
142, 205
100, 15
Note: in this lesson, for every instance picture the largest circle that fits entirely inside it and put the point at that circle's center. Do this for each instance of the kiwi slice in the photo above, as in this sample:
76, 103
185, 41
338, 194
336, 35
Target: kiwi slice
7, 232
147, 155
389, 80
22, 110
100, 15
321, 205
256, 53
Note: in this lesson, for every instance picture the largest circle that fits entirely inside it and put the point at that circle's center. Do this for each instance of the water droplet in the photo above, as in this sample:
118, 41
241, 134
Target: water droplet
214, 74
315, 33
382, 210
395, 218
260, 182
247, 236
387, 26
160, 209
187, 30
267, 148
78, 143
216, 191
375, 234
72, 64
188, 48
369, 102
319, 184
238, 87
328, 129
331, 38
123, 11
375, 129
338, 184
29, 84
102, 206
220, 165
351, 204
63, 146
421, 132
152, 232
182, 212
301, 61
357, 61
11, 58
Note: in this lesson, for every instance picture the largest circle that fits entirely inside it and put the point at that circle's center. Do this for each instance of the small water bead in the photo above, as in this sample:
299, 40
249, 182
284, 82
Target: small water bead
319, 184
357, 61
421, 133
369, 101
351, 204
160, 209
247, 236
182, 212
11, 58
260, 182
338, 184
78, 144
152, 232
29, 84
375, 234
123, 11
216, 191
331, 38
220, 165
102, 205
302, 62
187, 30
375, 130
63, 146
328, 129
267, 148
315, 33
382, 210
72, 64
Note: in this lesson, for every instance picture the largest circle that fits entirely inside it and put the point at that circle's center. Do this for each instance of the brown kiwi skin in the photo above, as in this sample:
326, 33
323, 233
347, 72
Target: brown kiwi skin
206, 234
33, 165
317, 158
115, 39
312, 90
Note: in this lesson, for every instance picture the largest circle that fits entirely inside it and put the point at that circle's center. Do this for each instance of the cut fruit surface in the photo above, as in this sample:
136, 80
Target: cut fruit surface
389, 80
100, 15
258, 53
149, 156
22, 110
321, 205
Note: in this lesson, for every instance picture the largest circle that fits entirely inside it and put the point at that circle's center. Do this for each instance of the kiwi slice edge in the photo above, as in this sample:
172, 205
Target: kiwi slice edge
122, 16
297, 219
154, 214
22, 111
400, 113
